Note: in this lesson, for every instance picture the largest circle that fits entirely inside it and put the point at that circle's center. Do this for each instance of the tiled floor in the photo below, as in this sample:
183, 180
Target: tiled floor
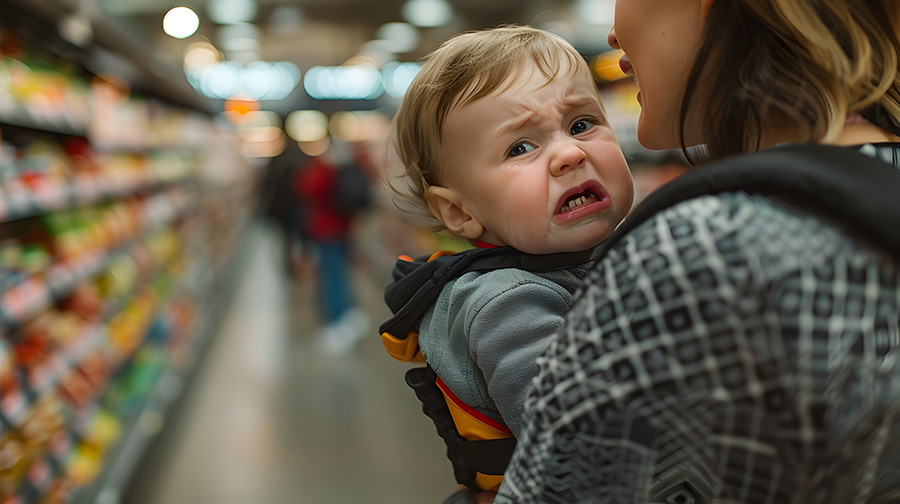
270, 419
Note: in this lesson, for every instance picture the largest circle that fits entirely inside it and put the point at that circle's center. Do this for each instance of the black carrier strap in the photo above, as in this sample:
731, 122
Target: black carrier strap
840, 182
417, 284
467, 457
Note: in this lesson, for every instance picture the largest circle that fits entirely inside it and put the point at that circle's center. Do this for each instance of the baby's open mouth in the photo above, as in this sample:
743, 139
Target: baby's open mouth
585, 194
579, 199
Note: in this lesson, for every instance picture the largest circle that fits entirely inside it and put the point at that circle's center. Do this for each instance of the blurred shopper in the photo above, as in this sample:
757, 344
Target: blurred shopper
505, 144
278, 201
326, 228
739, 347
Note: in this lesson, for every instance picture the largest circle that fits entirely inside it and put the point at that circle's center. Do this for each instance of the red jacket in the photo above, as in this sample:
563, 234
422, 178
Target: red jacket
314, 187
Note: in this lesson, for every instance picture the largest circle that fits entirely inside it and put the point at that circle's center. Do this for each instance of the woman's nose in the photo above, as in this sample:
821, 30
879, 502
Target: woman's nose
611, 38
569, 157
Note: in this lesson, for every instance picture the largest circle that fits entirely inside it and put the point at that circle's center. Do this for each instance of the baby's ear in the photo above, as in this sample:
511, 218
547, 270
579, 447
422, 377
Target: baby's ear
446, 206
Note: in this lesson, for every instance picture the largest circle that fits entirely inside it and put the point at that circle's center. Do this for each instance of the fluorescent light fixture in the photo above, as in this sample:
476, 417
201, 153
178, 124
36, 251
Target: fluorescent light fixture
398, 37
239, 37
317, 148
427, 13
595, 12
259, 80
396, 77
357, 82
306, 125
200, 55
180, 22
358, 126
227, 12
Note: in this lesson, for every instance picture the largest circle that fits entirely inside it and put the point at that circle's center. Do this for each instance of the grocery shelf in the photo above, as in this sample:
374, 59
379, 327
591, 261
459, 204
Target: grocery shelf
153, 76
21, 203
118, 241
14, 115
37, 293
148, 421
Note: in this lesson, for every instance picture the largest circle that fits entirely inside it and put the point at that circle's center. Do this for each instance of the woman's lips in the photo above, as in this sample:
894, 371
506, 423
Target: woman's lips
625, 65
591, 198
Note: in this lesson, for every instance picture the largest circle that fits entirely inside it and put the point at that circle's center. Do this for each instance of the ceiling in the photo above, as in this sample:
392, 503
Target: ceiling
331, 31
317, 32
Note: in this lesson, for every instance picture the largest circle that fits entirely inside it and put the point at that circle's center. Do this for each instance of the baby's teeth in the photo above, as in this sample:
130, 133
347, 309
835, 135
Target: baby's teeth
577, 202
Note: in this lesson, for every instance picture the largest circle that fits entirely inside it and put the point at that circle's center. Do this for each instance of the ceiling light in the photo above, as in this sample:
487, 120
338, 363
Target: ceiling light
306, 125
427, 13
242, 105
345, 126
358, 82
200, 55
180, 22
595, 12
239, 37
76, 29
396, 77
260, 80
398, 37
358, 126
232, 11
317, 148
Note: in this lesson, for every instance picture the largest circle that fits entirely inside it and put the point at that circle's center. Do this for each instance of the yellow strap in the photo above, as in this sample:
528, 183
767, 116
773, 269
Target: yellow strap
489, 482
403, 350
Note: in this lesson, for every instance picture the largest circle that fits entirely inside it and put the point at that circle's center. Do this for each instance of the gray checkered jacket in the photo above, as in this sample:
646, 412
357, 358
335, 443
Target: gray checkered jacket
732, 349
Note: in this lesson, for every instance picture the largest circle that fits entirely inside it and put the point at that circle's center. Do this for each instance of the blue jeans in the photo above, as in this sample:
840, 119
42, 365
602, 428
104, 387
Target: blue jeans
334, 279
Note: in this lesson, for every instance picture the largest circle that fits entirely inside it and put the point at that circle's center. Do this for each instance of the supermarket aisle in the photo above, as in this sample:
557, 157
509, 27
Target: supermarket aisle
269, 419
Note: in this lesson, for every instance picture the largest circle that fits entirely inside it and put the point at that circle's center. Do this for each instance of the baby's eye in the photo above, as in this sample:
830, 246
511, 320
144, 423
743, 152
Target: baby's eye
520, 148
582, 125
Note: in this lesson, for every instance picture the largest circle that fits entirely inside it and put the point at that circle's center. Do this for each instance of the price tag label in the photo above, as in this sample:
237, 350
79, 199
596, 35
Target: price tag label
40, 474
86, 189
14, 406
20, 200
41, 377
50, 195
58, 365
59, 278
60, 445
27, 298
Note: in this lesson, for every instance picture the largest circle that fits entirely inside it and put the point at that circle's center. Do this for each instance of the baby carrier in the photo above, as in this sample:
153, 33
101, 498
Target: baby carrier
836, 182
478, 447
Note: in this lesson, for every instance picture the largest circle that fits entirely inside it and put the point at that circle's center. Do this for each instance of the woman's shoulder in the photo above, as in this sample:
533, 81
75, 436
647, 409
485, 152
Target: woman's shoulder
730, 230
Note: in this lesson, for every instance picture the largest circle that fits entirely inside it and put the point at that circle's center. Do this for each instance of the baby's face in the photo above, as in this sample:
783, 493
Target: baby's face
538, 165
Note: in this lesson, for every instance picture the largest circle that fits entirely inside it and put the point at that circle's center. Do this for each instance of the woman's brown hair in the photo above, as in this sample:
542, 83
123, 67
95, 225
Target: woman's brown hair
797, 67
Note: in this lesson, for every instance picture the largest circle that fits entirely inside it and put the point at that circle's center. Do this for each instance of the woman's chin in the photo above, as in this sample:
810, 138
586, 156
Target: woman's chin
652, 136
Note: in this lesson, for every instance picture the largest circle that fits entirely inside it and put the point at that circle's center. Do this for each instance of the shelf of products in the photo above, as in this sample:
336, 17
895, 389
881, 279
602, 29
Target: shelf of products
120, 217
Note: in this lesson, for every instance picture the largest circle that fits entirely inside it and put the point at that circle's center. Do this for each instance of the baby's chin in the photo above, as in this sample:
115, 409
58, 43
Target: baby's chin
570, 246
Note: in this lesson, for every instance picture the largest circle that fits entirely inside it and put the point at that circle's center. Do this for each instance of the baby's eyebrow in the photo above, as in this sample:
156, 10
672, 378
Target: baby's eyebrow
575, 101
516, 123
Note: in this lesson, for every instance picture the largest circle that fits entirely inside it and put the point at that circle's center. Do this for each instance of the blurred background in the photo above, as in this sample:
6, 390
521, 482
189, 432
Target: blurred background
187, 315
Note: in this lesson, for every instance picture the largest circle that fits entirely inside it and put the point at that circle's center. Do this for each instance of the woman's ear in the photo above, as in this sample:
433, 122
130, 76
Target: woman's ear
446, 206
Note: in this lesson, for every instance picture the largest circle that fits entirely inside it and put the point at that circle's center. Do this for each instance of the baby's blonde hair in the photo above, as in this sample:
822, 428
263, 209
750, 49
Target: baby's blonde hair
468, 66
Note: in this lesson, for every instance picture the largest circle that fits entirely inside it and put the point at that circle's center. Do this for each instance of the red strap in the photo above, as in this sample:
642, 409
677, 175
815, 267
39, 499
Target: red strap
481, 417
481, 244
